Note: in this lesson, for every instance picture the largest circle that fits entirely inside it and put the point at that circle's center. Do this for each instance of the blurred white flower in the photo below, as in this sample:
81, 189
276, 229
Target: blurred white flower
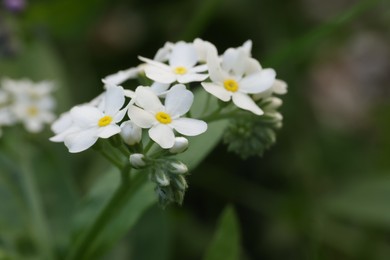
30, 103
163, 119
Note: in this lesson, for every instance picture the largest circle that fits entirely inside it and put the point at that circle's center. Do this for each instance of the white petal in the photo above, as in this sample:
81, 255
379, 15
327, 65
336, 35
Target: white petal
114, 100
140, 117
121, 76
252, 66
61, 136
183, 54
129, 93
279, 87
163, 135
217, 90
159, 88
85, 116
161, 75
203, 48
229, 58
215, 70
243, 101
189, 126
80, 141
108, 131
191, 77
164, 52
258, 82
178, 101
154, 63
200, 68
247, 47
121, 113
147, 99
62, 123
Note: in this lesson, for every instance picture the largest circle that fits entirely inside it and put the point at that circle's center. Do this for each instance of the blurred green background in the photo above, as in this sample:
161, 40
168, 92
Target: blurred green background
322, 192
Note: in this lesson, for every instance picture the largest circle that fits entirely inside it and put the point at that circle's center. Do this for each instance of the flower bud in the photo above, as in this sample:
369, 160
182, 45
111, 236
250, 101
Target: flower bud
273, 103
161, 178
180, 145
179, 167
137, 160
181, 182
131, 133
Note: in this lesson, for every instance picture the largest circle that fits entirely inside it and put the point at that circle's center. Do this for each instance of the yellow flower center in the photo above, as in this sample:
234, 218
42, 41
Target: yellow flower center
163, 118
230, 85
32, 111
105, 120
180, 70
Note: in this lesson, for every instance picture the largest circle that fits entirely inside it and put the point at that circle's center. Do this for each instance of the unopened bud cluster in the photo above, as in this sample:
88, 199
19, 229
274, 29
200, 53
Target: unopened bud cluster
248, 135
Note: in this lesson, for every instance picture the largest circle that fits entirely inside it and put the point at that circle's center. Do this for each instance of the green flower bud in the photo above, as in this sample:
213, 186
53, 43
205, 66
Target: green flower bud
252, 135
180, 182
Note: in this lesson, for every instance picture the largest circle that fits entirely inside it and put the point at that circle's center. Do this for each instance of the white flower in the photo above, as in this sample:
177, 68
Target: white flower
94, 122
163, 119
181, 66
64, 125
235, 78
31, 103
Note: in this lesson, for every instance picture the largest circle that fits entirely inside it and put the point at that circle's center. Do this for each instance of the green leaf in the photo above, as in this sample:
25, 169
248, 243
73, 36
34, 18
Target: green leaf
124, 221
226, 242
154, 230
200, 146
137, 200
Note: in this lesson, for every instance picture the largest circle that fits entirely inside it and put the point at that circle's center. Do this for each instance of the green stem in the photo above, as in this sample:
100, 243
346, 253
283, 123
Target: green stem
148, 146
112, 159
114, 205
36, 208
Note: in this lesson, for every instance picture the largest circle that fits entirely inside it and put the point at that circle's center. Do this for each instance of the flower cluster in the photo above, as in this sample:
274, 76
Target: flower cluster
132, 120
26, 102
